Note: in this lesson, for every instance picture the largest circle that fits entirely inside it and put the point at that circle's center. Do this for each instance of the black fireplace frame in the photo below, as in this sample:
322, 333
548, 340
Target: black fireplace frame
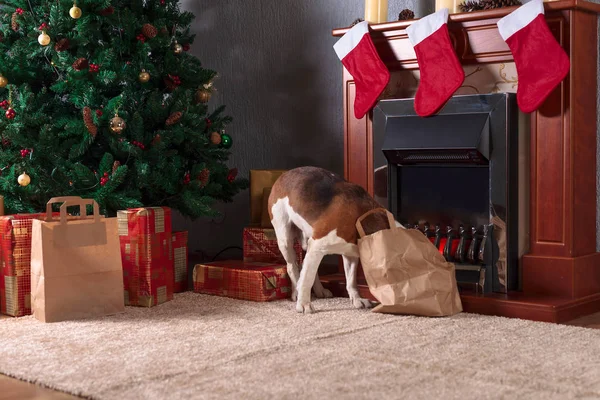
491, 140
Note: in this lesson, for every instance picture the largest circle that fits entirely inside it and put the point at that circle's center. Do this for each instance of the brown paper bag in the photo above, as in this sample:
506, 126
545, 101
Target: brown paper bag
259, 180
406, 273
265, 220
75, 265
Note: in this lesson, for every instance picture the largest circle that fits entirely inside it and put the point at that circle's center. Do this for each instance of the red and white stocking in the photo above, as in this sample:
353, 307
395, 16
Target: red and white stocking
541, 63
441, 72
358, 54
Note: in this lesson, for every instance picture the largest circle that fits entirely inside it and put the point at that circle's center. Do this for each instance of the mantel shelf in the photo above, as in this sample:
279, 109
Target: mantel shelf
481, 15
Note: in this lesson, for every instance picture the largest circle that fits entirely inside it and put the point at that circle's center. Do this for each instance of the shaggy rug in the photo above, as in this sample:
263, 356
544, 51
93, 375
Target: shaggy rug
200, 346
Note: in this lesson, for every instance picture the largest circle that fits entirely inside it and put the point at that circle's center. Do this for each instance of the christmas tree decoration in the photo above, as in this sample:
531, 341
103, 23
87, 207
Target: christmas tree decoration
4, 104
156, 140
94, 68
80, 64
232, 175
177, 48
202, 96
174, 118
75, 12
144, 77
141, 38
99, 113
88, 120
357, 53
204, 176
116, 165
186, 47
25, 153
104, 179
226, 141
3, 81
138, 144
44, 39
441, 72
149, 31
24, 179
62, 45
10, 113
19, 11
215, 138
117, 124
14, 24
406, 14
172, 82
541, 62
187, 178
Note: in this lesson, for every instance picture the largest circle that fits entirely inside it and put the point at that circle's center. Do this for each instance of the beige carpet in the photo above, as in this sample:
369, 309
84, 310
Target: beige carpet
211, 347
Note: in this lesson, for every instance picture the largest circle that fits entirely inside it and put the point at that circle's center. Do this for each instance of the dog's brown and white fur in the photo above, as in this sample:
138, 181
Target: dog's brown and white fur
320, 209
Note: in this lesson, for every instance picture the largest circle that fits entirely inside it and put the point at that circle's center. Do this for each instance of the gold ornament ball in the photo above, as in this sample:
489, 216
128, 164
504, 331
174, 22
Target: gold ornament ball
117, 124
202, 96
3, 81
24, 179
44, 39
215, 138
144, 77
177, 48
75, 12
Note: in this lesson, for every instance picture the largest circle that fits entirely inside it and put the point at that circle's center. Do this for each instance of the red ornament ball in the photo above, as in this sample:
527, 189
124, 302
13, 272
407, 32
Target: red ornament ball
10, 113
43, 26
232, 174
19, 11
4, 104
141, 37
94, 68
25, 152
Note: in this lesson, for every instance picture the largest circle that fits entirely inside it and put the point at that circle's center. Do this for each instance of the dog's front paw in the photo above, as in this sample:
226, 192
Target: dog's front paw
305, 308
359, 302
323, 294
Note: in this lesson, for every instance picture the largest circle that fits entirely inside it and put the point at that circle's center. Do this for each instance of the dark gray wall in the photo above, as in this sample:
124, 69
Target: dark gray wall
281, 81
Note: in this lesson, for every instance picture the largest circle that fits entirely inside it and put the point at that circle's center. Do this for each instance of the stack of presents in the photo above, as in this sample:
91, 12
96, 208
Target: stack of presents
60, 267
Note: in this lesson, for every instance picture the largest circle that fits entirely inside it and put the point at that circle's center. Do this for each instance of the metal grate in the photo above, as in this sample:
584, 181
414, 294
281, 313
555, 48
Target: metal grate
437, 157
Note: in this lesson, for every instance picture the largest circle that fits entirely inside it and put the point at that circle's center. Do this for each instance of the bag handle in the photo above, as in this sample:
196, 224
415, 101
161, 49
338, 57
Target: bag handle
55, 200
70, 201
359, 227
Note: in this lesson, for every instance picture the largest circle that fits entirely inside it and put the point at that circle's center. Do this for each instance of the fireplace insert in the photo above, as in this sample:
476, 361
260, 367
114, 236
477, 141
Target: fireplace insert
455, 177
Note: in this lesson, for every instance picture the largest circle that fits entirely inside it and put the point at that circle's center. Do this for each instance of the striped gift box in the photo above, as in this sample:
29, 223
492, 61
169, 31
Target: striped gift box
180, 254
252, 281
147, 255
260, 245
15, 272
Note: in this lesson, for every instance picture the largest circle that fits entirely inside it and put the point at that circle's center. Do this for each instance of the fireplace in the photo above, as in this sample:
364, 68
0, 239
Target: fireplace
455, 177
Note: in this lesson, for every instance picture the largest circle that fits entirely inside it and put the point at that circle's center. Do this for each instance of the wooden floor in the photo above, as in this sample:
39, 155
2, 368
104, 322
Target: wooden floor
15, 389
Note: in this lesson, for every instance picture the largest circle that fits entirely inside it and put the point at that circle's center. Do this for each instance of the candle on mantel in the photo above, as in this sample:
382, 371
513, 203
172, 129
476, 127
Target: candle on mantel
376, 11
451, 5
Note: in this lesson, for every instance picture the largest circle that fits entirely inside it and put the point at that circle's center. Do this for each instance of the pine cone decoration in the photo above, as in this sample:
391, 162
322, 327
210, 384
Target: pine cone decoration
88, 120
356, 21
149, 31
80, 64
204, 176
13, 22
406, 14
492, 4
174, 118
116, 165
470, 5
62, 45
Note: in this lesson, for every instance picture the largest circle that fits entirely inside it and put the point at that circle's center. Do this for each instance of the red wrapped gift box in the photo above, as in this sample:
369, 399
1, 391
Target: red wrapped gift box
180, 261
243, 280
260, 245
15, 272
147, 255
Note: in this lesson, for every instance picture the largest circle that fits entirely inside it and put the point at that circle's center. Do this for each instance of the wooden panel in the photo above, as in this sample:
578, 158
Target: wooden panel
356, 138
582, 109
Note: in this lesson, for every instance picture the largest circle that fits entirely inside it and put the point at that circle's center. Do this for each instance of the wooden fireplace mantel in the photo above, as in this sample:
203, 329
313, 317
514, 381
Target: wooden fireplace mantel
561, 271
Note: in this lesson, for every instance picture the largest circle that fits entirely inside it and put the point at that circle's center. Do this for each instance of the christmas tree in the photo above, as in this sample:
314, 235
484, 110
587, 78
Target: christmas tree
103, 101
